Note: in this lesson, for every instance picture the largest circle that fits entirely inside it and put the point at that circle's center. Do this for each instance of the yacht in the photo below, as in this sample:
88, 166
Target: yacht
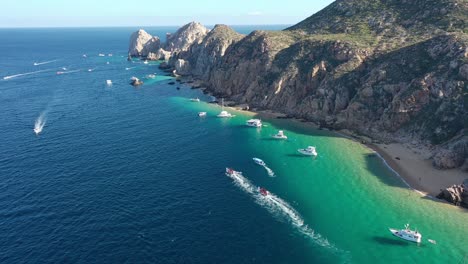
195, 99
101, 55
223, 113
259, 161
309, 151
407, 234
254, 123
109, 82
280, 135
201, 114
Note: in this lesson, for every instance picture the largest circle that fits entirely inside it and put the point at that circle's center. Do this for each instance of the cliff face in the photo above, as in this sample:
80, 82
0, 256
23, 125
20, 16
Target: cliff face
142, 43
394, 70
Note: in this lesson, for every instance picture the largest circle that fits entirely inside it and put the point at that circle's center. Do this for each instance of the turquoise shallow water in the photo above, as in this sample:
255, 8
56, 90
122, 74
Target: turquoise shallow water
133, 175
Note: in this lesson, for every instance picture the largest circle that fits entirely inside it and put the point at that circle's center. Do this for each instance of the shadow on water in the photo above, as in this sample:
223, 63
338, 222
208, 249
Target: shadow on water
297, 156
374, 165
390, 241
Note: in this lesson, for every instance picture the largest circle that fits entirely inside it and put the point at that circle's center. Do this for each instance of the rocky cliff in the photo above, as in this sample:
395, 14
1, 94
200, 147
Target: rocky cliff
393, 70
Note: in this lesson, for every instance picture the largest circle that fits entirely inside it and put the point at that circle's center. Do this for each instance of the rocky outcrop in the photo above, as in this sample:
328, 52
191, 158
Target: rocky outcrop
151, 46
186, 36
456, 194
138, 40
386, 69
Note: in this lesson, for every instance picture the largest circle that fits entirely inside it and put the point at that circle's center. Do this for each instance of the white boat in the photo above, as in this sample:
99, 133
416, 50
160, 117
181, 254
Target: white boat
407, 234
309, 151
107, 62
101, 55
85, 56
149, 76
201, 114
195, 99
110, 55
145, 62
90, 70
254, 123
224, 114
259, 161
280, 135
109, 82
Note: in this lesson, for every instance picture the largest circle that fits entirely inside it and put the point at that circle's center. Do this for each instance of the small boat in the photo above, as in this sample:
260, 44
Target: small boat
263, 191
145, 62
135, 81
64, 68
85, 56
150, 76
109, 82
280, 135
259, 161
201, 114
195, 99
101, 55
254, 123
407, 234
107, 62
110, 54
60, 72
231, 172
223, 113
90, 70
309, 151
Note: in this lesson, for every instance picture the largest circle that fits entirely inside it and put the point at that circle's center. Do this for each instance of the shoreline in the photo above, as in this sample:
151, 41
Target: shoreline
411, 165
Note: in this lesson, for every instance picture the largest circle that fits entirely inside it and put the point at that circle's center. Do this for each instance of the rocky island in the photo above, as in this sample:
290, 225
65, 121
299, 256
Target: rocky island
392, 71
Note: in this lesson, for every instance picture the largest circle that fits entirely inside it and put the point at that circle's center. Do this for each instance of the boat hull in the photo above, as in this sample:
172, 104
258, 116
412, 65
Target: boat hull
399, 234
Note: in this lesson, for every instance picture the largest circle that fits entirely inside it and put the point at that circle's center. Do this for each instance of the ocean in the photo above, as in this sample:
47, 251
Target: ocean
122, 174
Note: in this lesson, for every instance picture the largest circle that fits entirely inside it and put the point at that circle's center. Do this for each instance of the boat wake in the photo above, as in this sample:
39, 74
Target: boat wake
270, 172
280, 208
24, 74
40, 123
66, 72
44, 62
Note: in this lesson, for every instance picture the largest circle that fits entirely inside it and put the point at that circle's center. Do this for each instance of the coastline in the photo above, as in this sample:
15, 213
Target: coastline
410, 164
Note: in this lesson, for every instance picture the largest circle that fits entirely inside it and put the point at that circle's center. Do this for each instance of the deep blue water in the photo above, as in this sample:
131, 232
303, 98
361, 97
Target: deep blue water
118, 174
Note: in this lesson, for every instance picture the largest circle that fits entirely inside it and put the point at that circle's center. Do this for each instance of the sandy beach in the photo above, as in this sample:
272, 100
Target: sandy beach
416, 169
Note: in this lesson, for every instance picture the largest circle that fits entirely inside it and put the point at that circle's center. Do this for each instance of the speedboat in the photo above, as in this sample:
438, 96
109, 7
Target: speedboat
280, 135
145, 62
195, 99
407, 234
263, 191
259, 161
231, 172
201, 114
110, 54
90, 70
254, 122
101, 55
60, 72
109, 82
84, 55
309, 151
151, 76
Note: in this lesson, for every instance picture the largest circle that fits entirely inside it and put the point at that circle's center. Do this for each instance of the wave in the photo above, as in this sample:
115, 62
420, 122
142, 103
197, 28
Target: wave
270, 172
279, 207
23, 74
44, 62
40, 123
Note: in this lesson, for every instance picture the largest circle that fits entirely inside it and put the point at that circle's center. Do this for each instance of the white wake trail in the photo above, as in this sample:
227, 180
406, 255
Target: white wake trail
40, 122
23, 74
270, 172
279, 207
44, 62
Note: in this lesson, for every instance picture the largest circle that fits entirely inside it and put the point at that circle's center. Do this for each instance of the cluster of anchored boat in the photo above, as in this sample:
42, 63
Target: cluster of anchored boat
309, 151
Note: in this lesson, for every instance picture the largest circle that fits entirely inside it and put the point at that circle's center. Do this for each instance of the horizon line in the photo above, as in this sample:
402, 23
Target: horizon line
147, 26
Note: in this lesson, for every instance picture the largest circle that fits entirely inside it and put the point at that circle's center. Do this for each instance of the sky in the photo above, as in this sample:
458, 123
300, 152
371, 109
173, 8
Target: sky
98, 13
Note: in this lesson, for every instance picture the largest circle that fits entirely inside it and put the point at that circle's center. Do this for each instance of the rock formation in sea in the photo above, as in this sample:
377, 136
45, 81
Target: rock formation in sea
456, 194
391, 70
142, 43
